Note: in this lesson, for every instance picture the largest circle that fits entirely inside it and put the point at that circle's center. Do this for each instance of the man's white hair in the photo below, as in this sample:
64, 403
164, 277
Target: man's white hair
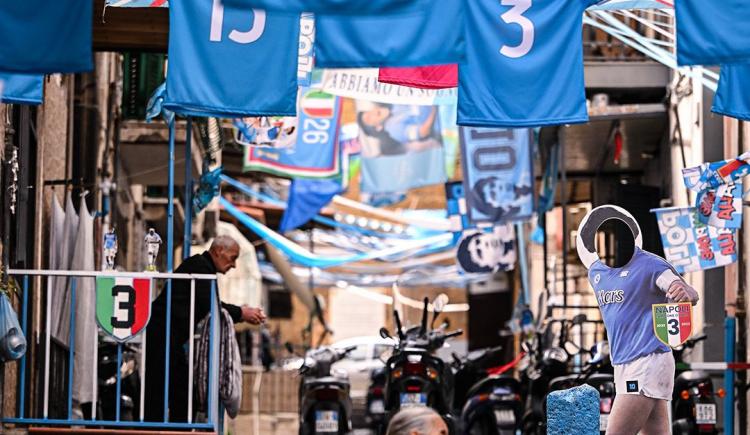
223, 242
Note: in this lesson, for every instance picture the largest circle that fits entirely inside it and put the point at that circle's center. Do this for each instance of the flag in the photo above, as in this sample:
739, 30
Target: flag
46, 36
21, 88
712, 32
673, 323
690, 245
733, 96
231, 62
498, 174
306, 198
425, 77
719, 190
433, 35
524, 64
123, 305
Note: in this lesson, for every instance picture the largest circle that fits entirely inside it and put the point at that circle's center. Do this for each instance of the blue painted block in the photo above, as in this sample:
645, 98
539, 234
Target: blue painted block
573, 412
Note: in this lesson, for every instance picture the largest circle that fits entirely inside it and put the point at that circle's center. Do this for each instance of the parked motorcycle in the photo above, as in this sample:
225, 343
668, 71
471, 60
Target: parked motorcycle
130, 382
693, 400
325, 404
375, 400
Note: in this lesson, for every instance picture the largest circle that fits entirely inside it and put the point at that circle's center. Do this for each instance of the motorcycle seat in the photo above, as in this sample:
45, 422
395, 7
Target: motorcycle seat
328, 380
690, 379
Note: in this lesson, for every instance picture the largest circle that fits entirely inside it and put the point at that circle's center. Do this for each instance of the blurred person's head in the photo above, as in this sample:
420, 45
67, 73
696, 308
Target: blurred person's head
417, 421
224, 252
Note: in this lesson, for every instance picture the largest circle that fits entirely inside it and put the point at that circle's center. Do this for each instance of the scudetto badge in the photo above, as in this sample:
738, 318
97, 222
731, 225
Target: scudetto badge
586, 238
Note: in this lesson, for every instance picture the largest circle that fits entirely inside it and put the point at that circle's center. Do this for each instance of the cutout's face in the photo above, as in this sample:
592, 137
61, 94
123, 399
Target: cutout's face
594, 220
624, 242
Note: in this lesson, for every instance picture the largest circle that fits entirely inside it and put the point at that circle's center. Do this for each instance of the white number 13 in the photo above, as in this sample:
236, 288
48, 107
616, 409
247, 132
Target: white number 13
514, 16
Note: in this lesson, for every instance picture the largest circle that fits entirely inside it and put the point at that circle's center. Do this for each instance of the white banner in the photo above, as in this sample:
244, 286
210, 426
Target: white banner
363, 84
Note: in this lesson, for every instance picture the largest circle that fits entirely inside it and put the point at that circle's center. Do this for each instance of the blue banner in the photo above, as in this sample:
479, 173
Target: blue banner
402, 147
21, 88
336, 7
712, 32
498, 174
524, 65
231, 62
305, 61
46, 36
691, 246
306, 198
719, 190
316, 151
433, 36
732, 98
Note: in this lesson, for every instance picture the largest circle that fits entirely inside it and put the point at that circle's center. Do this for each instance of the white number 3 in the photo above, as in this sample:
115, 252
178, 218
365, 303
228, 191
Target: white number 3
514, 16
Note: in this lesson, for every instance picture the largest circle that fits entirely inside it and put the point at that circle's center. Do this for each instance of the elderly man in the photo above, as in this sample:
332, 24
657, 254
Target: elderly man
220, 258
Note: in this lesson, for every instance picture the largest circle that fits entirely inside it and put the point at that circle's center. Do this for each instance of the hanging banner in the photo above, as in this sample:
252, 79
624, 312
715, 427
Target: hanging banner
21, 88
712, 32
524, 64
266, 131
363, 84
455, 204
633, 4
691, 246
306, 43
392, 40
231, 62
487, 251
123, 305
402, 147
425, 77
316, 152
336, 7
732, 98
498, 174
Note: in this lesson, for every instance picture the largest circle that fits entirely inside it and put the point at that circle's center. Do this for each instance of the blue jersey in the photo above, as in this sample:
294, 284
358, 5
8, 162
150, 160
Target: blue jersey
524, 63
432, 36
21, 88
625, 296
334, 7
733, 96
712, 32
231, 62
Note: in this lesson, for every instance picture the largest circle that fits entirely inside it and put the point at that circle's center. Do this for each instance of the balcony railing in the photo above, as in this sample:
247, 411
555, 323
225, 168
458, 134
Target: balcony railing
49, 388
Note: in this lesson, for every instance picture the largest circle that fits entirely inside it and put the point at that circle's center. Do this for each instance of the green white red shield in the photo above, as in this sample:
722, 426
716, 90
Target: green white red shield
318, 104
673, 323
123, 305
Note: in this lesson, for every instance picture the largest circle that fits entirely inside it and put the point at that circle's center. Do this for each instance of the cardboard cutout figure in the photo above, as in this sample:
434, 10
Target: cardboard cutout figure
627, 297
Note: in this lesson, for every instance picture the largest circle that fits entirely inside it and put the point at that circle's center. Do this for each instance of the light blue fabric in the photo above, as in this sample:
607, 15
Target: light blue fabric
306, 198
21, 88
230, 62
335, 7
431, 37
401, 172
625, 296
733, 96
524, 65
46, 36
712, 32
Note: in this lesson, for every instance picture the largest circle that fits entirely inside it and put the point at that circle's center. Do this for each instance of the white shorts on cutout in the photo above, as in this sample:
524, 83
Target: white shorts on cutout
651, 376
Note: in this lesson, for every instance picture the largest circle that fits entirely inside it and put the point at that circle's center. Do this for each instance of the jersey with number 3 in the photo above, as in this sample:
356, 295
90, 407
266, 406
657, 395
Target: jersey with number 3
625, 296
524, 63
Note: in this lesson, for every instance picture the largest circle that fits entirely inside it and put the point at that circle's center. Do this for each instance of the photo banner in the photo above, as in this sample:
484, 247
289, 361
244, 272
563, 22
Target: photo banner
316, 150
488, 250
690, 245
498, 174
402, 147
362, 84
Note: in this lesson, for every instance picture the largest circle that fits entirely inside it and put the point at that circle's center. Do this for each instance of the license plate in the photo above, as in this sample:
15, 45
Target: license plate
413, 399
326, 421
505, 417
377, 407
603, 420
705, 413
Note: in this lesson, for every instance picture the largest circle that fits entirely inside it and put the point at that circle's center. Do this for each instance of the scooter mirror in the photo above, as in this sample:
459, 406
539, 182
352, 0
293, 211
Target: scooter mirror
438, 305
384, 333
289, 347
579, 319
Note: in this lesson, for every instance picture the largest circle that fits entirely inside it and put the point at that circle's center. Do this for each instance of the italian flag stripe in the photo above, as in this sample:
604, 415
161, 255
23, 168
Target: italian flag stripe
142, 295
319, 104
685, 324
661, 330
104, 300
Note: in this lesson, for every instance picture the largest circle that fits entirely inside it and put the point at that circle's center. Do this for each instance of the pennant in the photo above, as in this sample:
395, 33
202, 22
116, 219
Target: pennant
306, 199
497, 174
231, 62
712, 32
431, 36
46, 36
21, 88
733, 96
335, 7
691, 246
425, 77
123, 305
673, 323
524, 65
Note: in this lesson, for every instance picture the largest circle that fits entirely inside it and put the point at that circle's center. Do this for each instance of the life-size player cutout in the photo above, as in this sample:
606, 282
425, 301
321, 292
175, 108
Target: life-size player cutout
644, 366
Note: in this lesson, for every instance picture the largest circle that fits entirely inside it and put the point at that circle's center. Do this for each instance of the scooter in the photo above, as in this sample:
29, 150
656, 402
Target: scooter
130, 383
325, 404
693, 401
375, 401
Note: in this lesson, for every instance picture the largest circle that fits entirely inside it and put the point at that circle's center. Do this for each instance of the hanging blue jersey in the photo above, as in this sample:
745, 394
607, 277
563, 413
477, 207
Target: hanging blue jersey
46, 36
432, 36
231, 62
712, 32
733, 96
625, 296
334, 7
21, 88
524, 64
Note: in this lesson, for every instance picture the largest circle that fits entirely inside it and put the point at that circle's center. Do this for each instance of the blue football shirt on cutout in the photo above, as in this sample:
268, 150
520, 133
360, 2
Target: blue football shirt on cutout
712, 32
733, 96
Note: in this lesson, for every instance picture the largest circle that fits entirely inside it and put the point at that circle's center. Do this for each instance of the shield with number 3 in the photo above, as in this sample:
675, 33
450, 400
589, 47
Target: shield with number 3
673, 323
123, 305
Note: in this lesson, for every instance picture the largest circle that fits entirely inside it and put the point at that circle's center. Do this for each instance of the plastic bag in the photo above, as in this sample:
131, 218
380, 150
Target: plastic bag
12, 341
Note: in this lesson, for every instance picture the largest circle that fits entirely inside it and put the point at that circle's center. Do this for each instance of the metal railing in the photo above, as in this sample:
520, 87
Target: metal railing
41, 415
